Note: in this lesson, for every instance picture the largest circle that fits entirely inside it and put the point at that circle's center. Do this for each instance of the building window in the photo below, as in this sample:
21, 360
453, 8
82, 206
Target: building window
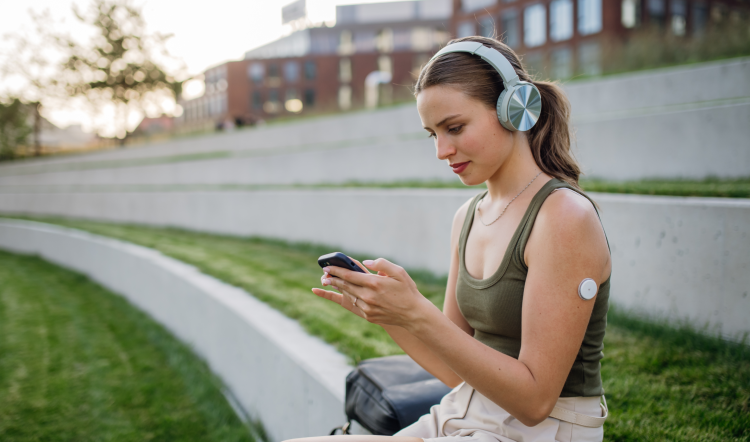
256, 72
273, 95
364, 41
421, 39
402, 39
589, 58
291, 71
700, 17
535, 25
510, 29
560, 20
345, 97
384, 40
657, 12
589, 16
346, 45
310, 70
631, 13
273, 71
292, 103
465, 29
257, 100
345, 70
487, 26
418, 61
562, 63
678, 9
309, 97
534, 62
476, 5
273, 105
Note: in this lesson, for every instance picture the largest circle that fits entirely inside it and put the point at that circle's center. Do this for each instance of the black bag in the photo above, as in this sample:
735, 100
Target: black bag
387, 394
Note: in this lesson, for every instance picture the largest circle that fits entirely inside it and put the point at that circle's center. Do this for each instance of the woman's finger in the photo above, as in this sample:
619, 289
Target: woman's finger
364, 269
385, 267
329, 295
357, 278
354, 304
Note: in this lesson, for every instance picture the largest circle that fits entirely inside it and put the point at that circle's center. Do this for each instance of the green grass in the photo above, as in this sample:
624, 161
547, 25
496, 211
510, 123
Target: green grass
662, 382
709, 187
78, 363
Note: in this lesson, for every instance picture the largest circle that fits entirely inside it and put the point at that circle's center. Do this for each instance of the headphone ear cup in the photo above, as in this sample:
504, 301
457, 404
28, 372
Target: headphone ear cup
502, 108
522, 109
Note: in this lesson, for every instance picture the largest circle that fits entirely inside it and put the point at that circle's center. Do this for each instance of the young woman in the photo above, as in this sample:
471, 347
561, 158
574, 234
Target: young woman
517, 337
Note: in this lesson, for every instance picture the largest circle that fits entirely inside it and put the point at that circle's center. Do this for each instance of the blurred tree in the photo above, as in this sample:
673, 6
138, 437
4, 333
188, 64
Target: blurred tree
122, 66
14, 128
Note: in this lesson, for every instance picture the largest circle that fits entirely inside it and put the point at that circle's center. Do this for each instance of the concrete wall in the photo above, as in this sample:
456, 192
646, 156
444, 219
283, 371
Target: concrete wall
678, 122
292, 382
674, 257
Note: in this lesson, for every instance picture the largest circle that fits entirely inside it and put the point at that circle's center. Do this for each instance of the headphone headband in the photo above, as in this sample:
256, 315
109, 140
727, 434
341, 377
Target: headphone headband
491, 56
519, 104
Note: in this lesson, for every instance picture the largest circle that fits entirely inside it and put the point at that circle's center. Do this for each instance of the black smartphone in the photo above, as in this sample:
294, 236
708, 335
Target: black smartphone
338, 259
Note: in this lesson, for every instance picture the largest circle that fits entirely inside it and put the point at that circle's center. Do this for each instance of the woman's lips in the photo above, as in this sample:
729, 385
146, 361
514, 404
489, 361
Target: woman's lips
460, 167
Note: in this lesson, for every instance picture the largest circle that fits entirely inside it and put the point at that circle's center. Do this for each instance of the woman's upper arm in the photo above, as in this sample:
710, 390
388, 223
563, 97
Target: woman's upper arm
567, 245
450, 306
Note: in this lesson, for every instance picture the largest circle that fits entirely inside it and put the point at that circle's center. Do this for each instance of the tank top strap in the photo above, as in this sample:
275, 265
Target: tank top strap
536, 205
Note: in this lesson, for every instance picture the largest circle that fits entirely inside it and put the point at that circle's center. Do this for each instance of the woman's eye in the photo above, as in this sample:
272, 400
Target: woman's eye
431, 135
455, 130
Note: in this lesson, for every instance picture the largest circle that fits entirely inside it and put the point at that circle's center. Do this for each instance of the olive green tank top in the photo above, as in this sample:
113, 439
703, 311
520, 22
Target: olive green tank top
493, 306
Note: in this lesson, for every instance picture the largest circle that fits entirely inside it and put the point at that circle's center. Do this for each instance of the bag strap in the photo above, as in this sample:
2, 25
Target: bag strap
583, 420
344, 429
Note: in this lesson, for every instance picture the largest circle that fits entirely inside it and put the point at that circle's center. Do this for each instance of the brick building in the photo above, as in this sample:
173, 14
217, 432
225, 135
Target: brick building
325, 69
560, 38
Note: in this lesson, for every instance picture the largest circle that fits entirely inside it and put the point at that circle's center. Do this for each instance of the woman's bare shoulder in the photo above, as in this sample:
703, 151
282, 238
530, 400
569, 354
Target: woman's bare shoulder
568, 222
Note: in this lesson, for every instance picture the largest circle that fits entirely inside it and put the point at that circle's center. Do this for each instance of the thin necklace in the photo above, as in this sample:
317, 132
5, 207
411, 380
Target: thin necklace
506, 206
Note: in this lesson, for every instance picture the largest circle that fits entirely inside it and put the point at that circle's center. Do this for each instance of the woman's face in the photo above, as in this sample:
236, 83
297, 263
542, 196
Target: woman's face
467, 134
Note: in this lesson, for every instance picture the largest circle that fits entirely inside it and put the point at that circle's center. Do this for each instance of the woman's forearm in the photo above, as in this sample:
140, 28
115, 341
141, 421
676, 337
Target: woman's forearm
501, 378
422, 355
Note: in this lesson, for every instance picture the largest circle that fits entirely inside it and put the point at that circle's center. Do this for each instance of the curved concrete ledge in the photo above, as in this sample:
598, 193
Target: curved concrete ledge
291, 381
673, 257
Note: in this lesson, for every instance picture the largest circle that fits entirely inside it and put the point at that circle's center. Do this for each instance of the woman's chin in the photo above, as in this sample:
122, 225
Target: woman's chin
470, 181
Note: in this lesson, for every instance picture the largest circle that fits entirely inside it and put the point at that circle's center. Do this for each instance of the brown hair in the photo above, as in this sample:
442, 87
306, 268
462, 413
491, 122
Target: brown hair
549, 139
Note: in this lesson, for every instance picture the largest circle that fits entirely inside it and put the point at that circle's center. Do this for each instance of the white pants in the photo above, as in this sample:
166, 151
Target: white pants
465, 415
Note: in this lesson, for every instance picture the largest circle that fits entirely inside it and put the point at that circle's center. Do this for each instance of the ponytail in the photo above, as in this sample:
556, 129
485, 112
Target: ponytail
549, 139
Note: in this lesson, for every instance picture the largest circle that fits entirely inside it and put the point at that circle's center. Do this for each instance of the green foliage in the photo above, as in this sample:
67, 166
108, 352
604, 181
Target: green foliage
726, 36
662, 382
117, 66
78, 363
666, 382
14, 129
122, 65
709, 187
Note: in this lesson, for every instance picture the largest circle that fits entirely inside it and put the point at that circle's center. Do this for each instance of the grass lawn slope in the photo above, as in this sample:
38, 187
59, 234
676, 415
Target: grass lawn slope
78, 363
662, 383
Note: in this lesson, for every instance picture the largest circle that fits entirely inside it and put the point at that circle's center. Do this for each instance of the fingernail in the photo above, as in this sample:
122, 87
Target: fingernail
368, 262
335, 287
326, 270
325, 274
326, 281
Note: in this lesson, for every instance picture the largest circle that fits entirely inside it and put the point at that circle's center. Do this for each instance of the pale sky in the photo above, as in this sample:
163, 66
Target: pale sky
206, 33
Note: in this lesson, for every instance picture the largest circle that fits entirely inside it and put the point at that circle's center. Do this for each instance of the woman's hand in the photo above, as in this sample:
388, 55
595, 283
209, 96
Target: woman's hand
389, 297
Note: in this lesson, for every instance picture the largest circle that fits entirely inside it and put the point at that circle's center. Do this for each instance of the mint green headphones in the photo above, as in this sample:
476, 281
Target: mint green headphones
519, 105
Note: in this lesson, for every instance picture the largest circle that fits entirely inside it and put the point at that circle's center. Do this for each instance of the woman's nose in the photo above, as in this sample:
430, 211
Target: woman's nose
444, 148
